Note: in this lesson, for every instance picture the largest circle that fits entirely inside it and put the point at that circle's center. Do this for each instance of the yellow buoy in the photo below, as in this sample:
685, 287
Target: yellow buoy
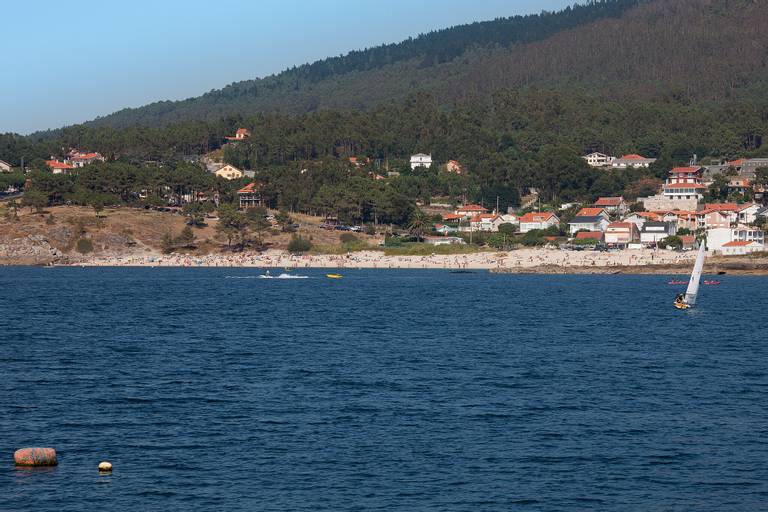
105, 467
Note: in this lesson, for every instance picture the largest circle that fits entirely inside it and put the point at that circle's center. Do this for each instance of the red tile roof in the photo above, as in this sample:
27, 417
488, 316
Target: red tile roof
483, 216
738, 243
633, 156
452, 216
623, 225
85, 156
54, 164
707, 211
685, 170
688, 239
726, 207
242, 131
589, 235
537, 217
471, 208
609, 201
589, 212
734, 163
249, 189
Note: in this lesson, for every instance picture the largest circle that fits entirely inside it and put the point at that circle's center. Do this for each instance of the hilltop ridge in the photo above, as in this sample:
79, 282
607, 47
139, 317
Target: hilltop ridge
364, 78
679, 50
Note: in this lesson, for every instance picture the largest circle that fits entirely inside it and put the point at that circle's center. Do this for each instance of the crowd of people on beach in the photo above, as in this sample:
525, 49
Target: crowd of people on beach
518, 259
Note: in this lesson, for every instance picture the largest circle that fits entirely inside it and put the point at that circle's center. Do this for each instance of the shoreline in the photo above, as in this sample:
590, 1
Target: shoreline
521, 261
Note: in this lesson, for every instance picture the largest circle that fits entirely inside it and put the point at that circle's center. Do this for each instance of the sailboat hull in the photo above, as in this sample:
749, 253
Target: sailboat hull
678, 305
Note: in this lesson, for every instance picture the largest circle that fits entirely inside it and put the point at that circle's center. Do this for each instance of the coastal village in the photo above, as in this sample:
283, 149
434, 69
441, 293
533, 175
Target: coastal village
675, 219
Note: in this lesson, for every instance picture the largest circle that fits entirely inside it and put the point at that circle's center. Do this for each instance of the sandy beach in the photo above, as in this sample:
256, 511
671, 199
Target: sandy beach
519, 260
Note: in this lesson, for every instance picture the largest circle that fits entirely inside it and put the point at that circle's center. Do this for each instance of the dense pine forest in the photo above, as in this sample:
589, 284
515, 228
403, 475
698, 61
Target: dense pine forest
676, 50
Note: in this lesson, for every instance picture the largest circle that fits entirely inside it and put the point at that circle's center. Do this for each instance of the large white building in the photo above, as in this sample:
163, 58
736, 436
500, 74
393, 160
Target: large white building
536, 220
684, 183
718, 238
634, 161
421, 160
599, 160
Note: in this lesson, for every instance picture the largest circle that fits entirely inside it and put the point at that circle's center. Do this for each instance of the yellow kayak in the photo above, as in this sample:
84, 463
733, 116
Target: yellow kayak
333, 276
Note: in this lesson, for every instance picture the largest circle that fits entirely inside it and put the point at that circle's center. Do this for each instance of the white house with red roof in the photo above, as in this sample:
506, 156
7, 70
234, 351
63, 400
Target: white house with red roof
250, 196
489, 222
599, 159
640, 218
717, 238
621, 234
615, 205
632, 160
470, 210
684, 183
240, 134
453, 217
740, 248
538, 220
454, 167
593, 211
79, 158
58, 167
682, 190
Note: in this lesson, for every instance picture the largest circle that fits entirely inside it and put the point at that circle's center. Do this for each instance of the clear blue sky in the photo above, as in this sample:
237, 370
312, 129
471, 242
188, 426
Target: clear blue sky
65, 62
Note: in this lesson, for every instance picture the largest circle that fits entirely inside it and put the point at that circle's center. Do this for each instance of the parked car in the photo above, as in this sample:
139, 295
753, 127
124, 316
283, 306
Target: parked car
356, 229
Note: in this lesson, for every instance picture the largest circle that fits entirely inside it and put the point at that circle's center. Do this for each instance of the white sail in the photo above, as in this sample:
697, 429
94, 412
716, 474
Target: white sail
693, 284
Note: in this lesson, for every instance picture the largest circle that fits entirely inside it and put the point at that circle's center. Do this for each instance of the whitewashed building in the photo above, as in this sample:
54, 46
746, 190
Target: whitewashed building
717, 238
538, 220
421, 160
599, 159
633, 161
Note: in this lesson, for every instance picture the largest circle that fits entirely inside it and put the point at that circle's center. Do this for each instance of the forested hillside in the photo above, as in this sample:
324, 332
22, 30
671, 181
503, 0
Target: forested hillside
394, 70
675, 50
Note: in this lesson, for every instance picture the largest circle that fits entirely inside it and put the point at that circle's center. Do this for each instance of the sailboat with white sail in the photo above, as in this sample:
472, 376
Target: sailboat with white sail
689, 299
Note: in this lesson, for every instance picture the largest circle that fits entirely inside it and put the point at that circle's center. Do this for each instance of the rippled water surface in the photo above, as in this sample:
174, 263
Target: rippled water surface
386, 390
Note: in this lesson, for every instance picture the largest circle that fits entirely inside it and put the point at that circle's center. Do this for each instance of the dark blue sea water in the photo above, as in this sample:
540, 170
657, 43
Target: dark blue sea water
387, 390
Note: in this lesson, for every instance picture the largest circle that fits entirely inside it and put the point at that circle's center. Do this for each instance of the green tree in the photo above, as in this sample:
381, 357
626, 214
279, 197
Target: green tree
671, 242
285, 221
35, 199
257, 221
232, 224
418, 224
196, 212
187, 237
299, 245
13, 209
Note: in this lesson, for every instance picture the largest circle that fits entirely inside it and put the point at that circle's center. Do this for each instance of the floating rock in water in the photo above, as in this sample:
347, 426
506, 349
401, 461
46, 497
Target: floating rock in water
105, 467
35, 457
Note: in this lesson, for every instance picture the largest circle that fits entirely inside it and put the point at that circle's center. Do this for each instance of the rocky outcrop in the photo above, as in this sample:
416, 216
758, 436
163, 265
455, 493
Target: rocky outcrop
29, 250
